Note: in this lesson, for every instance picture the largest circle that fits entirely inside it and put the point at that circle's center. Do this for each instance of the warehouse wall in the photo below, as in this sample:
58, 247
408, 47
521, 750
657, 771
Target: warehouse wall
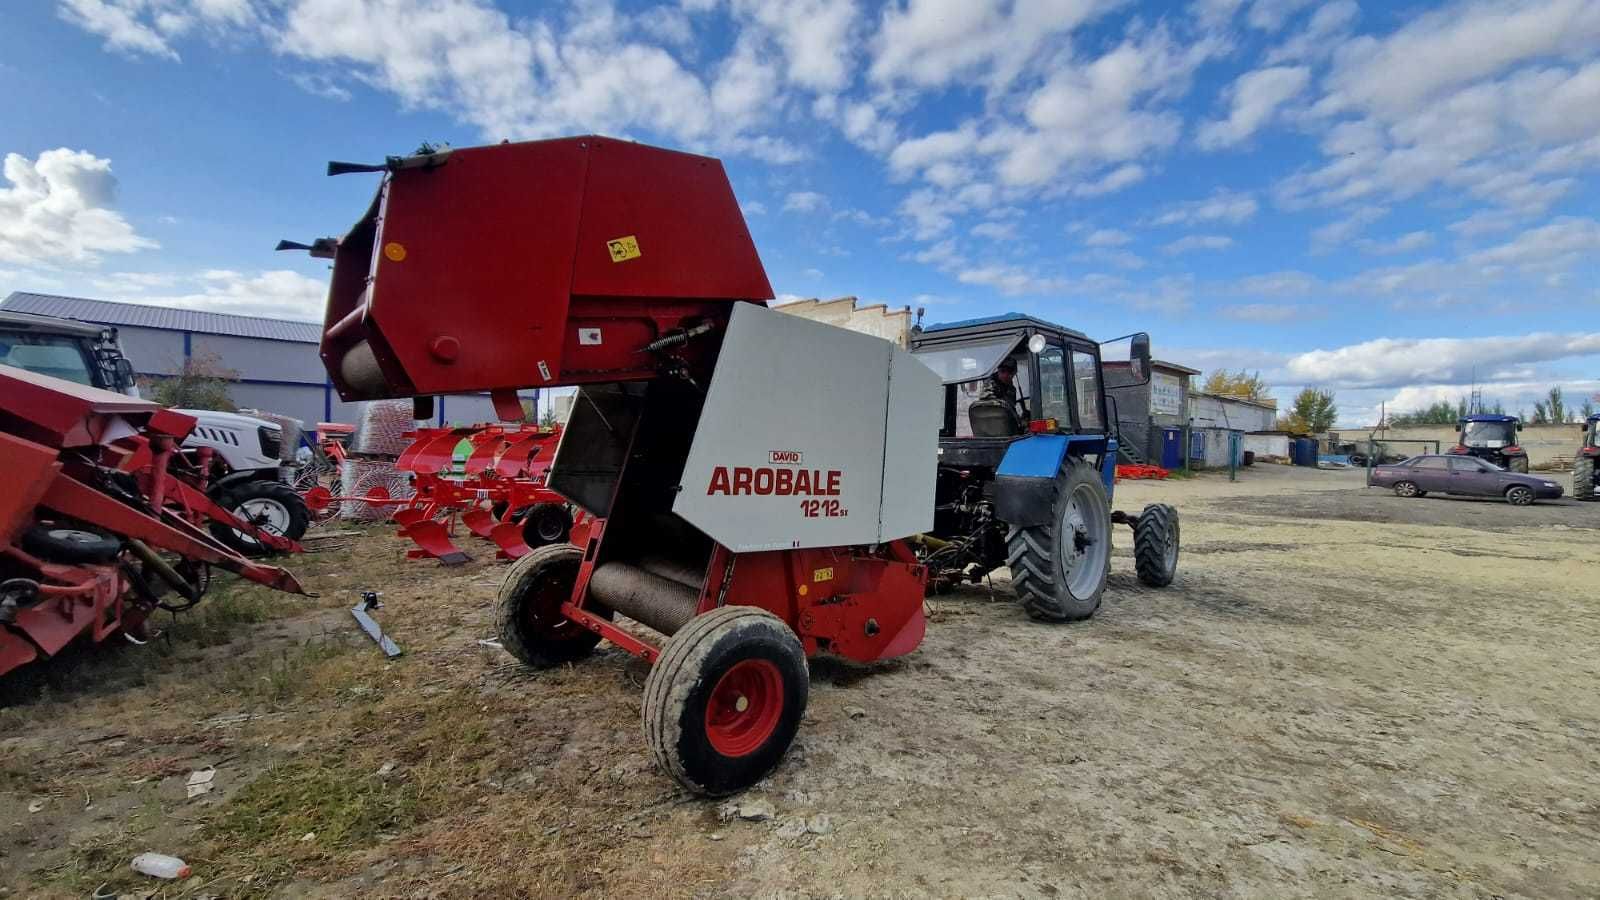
1225, 412
263, 360
1543, 442
877, 320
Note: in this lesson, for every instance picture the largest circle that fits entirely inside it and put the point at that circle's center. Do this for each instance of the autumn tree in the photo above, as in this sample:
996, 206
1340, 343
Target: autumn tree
1237, 384
1312, 412
201, 383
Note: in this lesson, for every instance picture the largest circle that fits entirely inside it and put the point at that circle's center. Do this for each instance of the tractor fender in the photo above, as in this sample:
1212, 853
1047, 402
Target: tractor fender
1024, 483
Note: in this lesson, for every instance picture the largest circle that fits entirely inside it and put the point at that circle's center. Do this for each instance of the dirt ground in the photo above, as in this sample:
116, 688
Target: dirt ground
1344, 694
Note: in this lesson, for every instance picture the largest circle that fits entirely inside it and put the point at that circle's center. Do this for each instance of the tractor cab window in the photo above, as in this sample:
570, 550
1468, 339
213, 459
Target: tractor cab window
55, 355
1053, 400
1488, 434
1594, 434
994, 387
1086, 383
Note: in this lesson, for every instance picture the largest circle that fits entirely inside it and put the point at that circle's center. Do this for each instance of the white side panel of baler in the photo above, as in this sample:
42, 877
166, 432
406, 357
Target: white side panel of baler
785, 386
911, 447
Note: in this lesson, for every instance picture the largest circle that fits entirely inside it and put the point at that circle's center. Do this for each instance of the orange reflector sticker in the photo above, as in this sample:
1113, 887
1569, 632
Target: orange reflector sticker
395, 251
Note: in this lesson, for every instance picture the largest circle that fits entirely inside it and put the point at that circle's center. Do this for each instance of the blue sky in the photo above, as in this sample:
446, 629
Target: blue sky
1384, 199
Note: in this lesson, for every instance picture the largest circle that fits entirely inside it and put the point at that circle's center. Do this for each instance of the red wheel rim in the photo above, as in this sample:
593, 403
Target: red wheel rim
744, 707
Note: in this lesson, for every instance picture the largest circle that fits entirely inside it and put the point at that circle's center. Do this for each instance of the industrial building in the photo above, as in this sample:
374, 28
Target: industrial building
876, 319
1152, 416
279, 369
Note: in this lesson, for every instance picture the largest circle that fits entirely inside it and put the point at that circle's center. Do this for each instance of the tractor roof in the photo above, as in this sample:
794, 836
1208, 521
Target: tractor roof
1011, 321
1481, 417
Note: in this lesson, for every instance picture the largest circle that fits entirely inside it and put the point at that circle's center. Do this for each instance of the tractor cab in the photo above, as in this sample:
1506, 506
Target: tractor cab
1492, 438
1009, 376
1591, 436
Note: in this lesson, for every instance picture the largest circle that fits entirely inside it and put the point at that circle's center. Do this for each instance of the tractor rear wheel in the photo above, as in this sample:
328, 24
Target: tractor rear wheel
1518, 464
1155, 545
1583, 478
723, 703
271, 506
1059, 569
528, 613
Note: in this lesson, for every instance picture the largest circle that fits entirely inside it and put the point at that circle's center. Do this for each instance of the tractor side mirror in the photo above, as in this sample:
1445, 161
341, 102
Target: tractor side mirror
1519, 426
1139, 356
125, 374
1458, 426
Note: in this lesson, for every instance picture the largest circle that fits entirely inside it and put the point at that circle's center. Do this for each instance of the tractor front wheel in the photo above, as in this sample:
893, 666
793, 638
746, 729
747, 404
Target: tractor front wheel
1518, 464
1059, 569
528, 613
271, 506
1583, 478
1155, 545
723, 703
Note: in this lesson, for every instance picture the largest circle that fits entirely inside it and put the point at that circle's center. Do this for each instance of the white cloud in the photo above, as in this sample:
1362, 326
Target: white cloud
1113, 181
812, 273
753, 208
1198, 242
58, 210
804, 201
1107, 237
1011, 280
1339, 232
1223, 206
814, 36
277, 294
1169, 295
933, 43
1326, 31
1287, 283
998, 231
1271, 15
1397, 362
1266, 312
1255, 98
1484, 222
1405, 243
1562, 242
137, 27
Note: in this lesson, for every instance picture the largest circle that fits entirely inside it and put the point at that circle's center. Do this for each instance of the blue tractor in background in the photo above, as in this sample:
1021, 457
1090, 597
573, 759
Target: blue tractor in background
1492, 438
1027, 463
1585, 478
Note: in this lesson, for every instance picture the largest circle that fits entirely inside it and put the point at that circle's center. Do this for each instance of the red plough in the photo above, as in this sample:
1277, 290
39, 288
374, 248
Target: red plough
99, 523
499, 494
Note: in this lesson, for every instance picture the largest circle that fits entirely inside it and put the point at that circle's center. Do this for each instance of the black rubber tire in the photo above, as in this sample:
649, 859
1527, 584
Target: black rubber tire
527, 611
546, 524
1154, 533
68, 545
233, 496
1583, 478
1518, 464
1517, 495
680, 686
1035, 561
1407, 489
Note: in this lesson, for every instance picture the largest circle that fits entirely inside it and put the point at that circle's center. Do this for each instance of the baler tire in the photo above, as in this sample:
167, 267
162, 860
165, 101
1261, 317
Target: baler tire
1518, 464
1034, 557
529, 619
545, 524
67, 545
702, 742
1155, 545
297, 516
1583, 478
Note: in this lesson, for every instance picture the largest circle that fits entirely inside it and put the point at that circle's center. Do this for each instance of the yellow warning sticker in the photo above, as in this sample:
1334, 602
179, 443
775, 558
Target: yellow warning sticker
623, 249
395, 251
822, 575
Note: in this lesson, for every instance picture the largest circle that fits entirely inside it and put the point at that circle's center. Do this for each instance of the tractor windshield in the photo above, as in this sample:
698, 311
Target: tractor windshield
1488, 434
59, 356
1594, 434
967, 362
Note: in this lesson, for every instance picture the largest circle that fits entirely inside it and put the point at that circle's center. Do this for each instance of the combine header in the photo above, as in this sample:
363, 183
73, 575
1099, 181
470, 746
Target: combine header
751, 476
101, 521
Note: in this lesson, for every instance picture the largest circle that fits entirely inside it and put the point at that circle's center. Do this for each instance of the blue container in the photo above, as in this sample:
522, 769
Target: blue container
1308, 452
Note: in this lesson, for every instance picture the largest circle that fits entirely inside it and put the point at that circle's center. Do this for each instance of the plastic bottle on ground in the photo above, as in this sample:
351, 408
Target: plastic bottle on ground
160, 865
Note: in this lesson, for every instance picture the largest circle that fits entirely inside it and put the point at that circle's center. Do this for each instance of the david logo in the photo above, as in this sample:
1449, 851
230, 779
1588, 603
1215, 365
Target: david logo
784, 457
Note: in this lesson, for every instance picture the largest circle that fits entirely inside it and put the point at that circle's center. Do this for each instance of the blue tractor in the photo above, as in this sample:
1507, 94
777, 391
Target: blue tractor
1027, 461
1492, 438
1585, 479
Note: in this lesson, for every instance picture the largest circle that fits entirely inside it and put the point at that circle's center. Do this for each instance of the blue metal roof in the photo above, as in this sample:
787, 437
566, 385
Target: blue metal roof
1484, 417
139, 315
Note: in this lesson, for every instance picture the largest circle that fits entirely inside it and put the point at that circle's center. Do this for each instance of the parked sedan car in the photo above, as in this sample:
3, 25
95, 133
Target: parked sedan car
1462, 475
